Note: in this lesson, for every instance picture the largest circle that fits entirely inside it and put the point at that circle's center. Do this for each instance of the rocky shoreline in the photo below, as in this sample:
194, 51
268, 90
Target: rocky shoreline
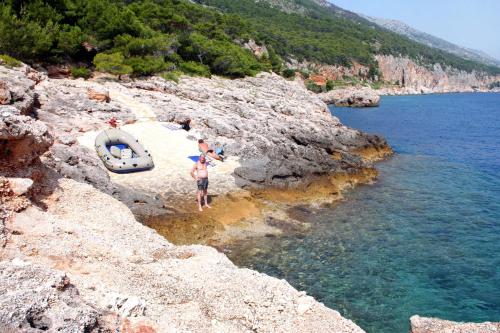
73, 256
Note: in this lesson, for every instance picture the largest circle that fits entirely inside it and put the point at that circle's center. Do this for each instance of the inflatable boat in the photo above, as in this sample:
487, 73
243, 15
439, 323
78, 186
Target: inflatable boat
121, 152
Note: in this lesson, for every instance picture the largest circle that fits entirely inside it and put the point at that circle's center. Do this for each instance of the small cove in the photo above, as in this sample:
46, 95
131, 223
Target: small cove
425, 239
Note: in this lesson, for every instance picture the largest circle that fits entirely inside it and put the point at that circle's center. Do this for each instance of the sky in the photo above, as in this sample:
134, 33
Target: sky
469, 23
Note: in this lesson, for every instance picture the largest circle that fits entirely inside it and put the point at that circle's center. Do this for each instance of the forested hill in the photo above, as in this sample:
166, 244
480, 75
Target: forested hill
129, 37
319, 31
199, 37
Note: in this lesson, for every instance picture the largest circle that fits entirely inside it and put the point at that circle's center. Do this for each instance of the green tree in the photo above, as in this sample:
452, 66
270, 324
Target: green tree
112, 63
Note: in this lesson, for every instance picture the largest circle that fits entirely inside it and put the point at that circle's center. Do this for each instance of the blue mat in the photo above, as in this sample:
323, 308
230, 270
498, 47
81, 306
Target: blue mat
194, 158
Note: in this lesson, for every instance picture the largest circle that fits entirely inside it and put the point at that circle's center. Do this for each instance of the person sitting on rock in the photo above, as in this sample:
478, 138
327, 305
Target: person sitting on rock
207, 151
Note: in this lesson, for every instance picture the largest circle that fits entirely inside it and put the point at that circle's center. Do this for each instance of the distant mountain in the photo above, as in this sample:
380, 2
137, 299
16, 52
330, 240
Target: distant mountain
433, 41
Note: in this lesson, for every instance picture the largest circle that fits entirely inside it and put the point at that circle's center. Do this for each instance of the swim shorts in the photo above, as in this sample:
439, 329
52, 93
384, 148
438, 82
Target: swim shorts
202, 184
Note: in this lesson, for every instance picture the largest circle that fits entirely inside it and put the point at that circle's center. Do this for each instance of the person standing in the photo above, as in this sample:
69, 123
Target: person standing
200, 174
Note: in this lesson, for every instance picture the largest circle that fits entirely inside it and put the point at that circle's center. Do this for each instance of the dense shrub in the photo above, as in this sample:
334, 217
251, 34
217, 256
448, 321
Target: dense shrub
112, 63
80, 72
329, 85
310, 85
195, 68
171, 76
288, 73
146, 65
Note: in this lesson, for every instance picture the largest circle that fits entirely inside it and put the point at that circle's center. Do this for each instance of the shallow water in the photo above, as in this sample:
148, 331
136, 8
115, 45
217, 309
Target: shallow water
425, 239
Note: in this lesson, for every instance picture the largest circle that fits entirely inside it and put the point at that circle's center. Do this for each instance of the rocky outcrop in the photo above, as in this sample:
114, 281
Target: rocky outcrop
354, 97
258, 50
435, 325
34, 299
22, 138
282, 135
66, 108
17, 88
119, 265
405, 73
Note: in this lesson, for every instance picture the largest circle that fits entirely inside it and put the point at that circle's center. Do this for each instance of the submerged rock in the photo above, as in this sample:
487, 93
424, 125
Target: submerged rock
435, 325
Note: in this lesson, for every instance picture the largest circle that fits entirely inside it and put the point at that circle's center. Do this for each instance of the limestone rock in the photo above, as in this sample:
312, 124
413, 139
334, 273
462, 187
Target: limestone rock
186, 288
411, 77
126, 306
20, 186
258, 50
5, 96
33, 298
19, 87
354, 97
59, 71
282, 134
98, 95
435, 325
65, 106
23, 138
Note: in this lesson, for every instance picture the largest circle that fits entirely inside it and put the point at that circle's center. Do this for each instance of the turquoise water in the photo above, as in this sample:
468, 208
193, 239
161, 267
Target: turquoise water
425, 239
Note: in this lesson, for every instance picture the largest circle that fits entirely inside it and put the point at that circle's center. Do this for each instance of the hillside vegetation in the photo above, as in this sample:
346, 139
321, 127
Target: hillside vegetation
143, 37
305, 29
139, 37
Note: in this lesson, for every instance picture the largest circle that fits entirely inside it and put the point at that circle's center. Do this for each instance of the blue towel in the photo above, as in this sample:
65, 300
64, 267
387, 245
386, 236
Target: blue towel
196, 158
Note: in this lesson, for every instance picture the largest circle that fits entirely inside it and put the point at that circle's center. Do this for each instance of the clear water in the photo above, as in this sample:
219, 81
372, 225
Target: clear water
425, 239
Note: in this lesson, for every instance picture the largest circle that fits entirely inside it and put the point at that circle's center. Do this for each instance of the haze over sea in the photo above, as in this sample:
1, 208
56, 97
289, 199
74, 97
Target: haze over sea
425, 239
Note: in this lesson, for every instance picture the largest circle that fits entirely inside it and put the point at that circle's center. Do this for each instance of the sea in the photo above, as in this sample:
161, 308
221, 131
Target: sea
424, 239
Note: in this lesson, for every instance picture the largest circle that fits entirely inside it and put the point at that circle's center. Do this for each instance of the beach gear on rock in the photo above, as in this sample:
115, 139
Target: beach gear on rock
172, 127
121, 152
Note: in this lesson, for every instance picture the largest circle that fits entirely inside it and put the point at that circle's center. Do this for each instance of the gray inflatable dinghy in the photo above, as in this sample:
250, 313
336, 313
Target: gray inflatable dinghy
121, 152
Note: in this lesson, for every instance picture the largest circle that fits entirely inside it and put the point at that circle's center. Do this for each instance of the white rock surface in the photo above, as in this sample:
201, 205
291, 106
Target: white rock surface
104, 251
20, 185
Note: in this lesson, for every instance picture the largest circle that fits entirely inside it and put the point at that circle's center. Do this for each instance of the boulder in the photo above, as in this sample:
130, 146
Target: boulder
16, 89
23, 139
258, 50
353, 97
100, 95
35, 298
435, 325
20, 186
58, 71
78, 163
126, 306
5, 96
